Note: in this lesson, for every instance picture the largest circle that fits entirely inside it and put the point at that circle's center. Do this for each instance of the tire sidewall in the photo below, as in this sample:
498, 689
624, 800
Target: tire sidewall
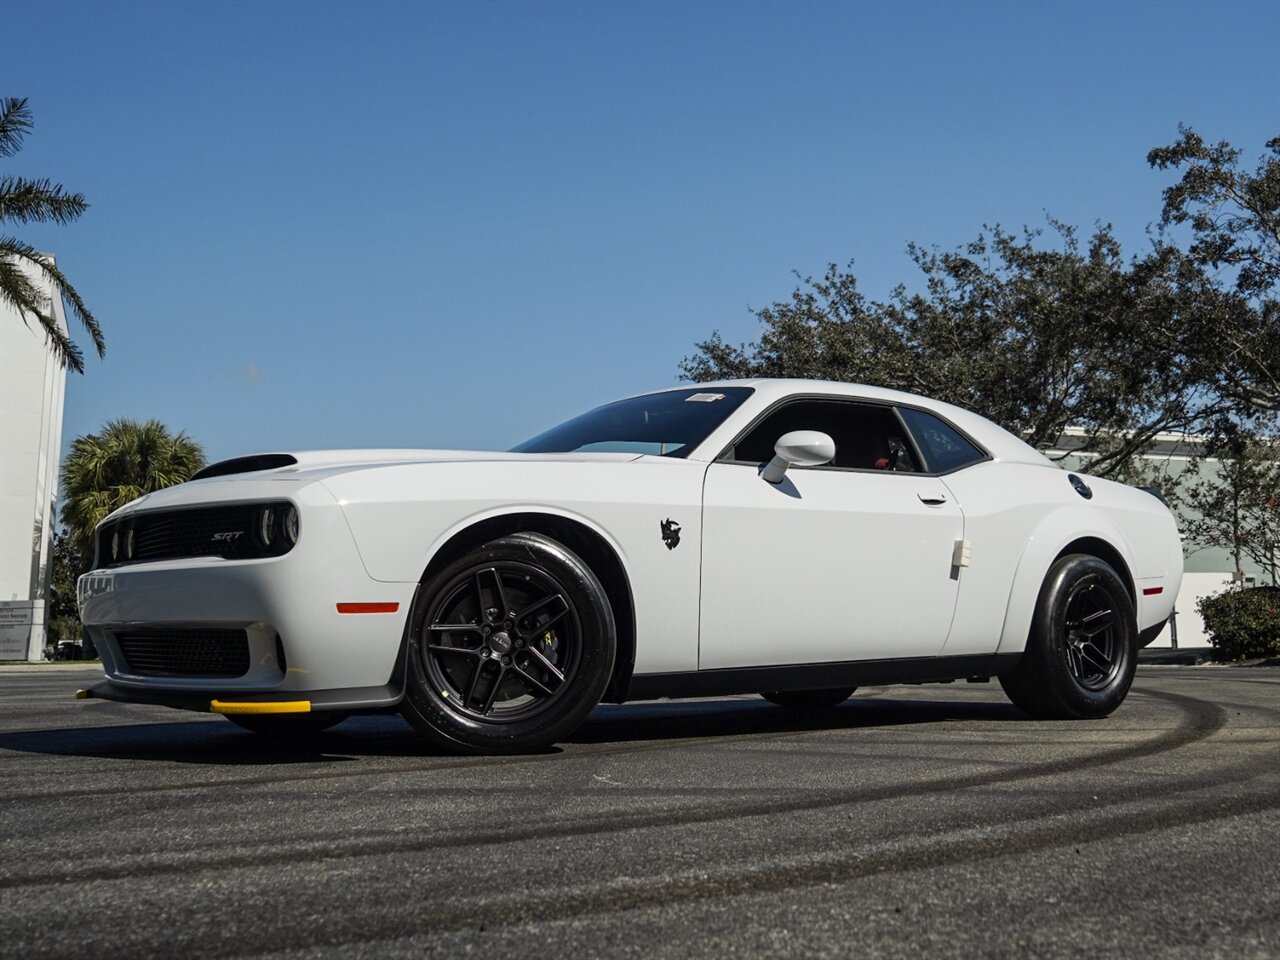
1050, 627
429, 710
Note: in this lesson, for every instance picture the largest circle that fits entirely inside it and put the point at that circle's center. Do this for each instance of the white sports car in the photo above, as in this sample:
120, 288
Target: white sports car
785, 537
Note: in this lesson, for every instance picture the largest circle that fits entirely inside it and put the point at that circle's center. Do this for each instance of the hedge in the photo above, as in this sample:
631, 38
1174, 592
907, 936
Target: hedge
1243, 623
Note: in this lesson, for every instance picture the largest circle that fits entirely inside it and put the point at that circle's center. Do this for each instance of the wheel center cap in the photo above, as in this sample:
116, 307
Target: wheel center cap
500, 642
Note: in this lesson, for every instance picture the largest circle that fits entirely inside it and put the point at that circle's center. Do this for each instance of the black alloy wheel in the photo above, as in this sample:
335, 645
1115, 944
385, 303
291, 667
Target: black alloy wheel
1093, 642
509, 649
502, 641
1083, 647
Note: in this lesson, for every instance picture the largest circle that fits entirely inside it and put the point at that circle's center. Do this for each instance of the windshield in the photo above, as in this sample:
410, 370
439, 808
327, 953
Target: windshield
668, 424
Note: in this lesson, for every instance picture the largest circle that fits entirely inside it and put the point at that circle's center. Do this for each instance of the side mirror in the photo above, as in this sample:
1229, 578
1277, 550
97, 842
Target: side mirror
800, 448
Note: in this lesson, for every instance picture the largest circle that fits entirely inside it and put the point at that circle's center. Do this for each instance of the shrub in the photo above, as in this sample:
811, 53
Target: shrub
1243, 623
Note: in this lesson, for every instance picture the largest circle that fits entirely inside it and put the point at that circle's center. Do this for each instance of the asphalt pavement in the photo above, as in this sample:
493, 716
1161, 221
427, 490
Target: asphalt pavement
933, 821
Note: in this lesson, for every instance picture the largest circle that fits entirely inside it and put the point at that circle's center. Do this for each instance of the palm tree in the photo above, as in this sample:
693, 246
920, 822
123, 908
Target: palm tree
37, 201
106, 470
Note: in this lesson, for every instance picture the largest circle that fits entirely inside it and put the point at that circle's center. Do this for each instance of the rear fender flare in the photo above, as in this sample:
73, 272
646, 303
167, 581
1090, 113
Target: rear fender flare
1051, 536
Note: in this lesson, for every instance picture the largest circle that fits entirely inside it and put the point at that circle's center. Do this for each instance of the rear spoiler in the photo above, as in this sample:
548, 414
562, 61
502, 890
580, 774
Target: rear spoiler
1157, 494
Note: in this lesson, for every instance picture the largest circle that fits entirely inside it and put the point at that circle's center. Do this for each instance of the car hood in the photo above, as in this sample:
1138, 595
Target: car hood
251, 476
299, 461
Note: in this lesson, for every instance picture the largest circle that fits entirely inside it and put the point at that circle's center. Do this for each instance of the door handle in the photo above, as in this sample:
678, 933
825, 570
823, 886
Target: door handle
933, 499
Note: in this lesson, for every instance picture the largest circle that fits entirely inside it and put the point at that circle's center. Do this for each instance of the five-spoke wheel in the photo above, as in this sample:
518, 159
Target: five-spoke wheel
503, 640
1093, 641
510, 647
1083, 647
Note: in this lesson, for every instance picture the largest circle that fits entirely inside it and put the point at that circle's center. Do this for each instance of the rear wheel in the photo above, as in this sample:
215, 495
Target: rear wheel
509, 648
285, 725
1083, 647
809, 699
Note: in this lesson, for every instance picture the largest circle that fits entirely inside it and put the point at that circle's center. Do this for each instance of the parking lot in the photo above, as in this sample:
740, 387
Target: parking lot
912, 821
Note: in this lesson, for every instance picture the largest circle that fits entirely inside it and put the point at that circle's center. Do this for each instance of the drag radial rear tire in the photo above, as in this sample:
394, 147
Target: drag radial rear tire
1083, 645
509, 647
801, 700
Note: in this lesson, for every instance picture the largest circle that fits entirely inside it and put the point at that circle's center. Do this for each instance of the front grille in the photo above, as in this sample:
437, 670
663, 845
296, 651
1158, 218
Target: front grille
237, 531
191, 533
185, 652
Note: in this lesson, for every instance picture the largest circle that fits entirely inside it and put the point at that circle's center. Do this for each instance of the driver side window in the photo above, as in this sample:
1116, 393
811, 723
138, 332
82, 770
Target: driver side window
867, 436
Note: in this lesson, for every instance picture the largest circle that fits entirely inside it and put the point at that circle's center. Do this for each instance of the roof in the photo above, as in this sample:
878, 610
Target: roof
1000, 443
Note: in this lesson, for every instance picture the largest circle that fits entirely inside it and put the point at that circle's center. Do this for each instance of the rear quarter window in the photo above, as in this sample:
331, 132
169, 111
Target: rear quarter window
944, 447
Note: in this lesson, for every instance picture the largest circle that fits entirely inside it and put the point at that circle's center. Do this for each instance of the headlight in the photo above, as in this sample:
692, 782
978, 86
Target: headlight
126, 545
115, 545
267, 526
291, 525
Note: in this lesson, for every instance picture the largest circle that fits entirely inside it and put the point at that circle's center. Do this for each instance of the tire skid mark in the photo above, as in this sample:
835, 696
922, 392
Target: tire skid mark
400, 920
648, 894
1191, 678
1201, 719
747, 737
1241, 707
746, 732
585, 751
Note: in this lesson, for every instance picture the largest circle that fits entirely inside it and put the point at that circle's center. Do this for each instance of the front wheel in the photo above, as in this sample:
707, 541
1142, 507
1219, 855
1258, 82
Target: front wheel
1083, 647
509, 647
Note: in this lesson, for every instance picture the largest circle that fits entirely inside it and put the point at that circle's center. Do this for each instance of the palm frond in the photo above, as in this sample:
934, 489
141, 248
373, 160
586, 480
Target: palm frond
106, 470
38, 201
13, 248
15, 121
29, 301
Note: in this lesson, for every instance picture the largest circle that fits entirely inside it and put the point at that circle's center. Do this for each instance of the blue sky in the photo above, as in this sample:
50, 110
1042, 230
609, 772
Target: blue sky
426, 224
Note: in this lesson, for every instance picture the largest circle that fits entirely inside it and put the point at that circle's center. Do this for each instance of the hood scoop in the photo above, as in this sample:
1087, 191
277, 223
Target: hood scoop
260, 461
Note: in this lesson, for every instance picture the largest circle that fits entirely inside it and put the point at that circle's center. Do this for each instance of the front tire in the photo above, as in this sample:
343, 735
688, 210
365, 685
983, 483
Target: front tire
509, 648
1083, 647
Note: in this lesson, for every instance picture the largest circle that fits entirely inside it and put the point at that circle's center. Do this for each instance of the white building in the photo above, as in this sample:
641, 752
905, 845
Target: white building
32, 383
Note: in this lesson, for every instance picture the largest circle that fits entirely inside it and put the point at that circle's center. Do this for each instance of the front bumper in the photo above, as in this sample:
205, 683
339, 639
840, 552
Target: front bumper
299, 647
225, 701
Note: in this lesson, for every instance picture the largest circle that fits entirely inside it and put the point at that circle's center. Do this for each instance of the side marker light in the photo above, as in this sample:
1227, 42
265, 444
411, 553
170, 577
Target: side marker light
368, 607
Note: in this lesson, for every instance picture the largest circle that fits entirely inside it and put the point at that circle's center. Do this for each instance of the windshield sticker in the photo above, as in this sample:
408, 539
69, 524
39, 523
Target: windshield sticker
704, 397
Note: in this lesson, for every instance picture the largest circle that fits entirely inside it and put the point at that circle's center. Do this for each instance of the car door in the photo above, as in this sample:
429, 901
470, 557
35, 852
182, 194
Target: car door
851, 561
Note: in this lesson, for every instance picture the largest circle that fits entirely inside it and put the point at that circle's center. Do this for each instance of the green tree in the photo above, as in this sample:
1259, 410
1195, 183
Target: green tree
1035, 336
106, 470
1238, 507
37, 201
1233, 215
1044, 332
66, 564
